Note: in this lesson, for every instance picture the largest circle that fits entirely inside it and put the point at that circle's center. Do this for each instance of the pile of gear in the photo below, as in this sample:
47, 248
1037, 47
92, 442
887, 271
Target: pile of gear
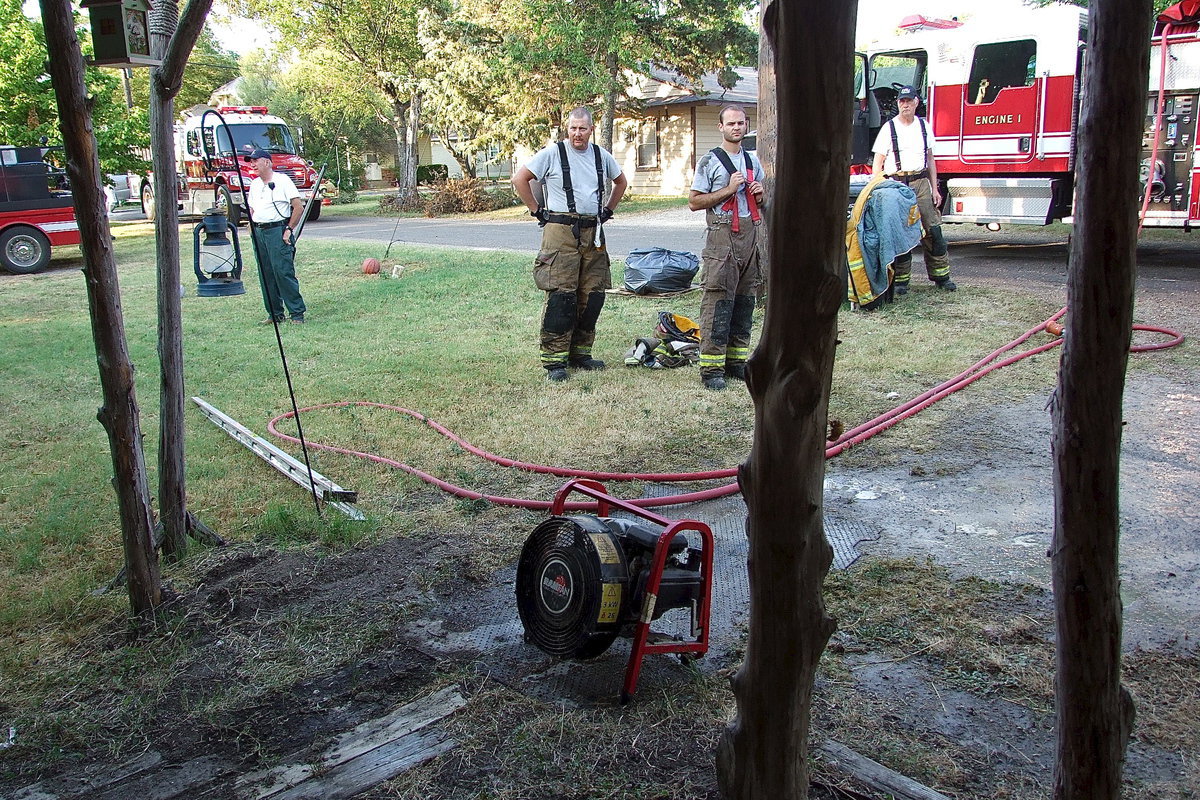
676, 343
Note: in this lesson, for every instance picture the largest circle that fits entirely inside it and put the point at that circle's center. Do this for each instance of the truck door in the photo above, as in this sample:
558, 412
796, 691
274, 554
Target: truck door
886, 74
1001, 105
860, 129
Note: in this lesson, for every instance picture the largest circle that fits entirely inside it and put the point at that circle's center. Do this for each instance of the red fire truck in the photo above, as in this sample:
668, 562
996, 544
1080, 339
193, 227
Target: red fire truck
208, 162
35, 208
1002, 97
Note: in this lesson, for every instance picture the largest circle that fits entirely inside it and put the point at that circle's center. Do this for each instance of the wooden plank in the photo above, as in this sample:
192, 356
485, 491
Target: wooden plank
394, 737
874, 774
371, 768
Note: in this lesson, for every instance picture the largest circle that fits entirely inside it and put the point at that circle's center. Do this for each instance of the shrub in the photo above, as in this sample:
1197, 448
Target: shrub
467, 195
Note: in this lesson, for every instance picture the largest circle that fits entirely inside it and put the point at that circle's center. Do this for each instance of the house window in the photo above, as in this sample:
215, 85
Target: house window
1000, 66
647, 144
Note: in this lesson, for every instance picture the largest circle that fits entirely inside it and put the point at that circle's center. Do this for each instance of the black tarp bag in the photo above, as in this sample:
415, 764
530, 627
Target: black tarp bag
656, 270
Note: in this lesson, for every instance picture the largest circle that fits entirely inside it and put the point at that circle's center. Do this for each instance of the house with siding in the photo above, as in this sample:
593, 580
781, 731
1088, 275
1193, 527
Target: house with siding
668, 123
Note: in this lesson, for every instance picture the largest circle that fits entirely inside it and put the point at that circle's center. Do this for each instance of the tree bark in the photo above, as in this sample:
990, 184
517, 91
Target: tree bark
409, 183
171, 39
768, 128
1095, 713
119, 415
405, 163
763, 752
612, 69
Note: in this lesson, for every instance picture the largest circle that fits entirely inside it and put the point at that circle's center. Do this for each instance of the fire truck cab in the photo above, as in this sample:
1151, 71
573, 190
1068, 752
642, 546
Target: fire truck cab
1001, 95
36, 208
212, 166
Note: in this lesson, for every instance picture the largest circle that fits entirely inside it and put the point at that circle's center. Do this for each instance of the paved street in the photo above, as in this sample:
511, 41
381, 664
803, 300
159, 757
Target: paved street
677, 229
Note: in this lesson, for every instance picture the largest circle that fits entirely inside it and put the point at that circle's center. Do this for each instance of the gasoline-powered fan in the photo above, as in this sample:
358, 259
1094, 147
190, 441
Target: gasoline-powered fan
583, 580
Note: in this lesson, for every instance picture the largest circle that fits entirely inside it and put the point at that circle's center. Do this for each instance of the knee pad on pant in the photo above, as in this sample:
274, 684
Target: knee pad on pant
743, 316
937, 242
722, 316
560, 312
591, 311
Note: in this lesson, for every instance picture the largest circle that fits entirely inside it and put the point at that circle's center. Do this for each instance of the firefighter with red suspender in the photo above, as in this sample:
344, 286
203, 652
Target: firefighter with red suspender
728, 189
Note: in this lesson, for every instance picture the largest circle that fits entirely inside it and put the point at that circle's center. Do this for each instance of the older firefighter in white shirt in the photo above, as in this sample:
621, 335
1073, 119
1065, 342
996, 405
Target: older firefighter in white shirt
727, 188
904, 152
572, 266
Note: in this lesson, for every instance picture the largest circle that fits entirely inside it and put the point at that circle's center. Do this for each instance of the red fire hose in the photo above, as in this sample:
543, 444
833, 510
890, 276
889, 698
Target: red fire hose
848, 439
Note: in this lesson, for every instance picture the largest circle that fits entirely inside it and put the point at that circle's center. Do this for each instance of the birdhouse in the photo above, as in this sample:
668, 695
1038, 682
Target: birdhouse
121, 33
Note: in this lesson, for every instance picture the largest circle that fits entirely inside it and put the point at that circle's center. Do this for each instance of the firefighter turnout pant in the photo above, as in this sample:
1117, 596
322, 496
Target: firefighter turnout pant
574, 273
277, 272
933, 243
732, 274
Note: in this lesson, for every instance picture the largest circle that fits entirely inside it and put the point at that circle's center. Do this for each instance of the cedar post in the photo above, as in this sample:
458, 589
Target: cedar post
1095, 713
763, 752
171, 40
119, 415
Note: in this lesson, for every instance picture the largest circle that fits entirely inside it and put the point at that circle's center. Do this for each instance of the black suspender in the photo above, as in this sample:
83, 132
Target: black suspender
568, 190
896, 143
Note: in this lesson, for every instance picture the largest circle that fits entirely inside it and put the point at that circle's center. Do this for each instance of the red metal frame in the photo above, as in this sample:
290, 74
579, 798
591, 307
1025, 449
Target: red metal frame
641, 643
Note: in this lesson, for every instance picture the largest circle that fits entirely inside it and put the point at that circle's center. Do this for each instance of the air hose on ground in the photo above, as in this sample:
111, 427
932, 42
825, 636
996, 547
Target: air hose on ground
996, 360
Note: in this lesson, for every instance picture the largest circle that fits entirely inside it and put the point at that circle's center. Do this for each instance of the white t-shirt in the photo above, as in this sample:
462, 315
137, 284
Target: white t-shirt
546, 165
712, 176
272, 205
913, 146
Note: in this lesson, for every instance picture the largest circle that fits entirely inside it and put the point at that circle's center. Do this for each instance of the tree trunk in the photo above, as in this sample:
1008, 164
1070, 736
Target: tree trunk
613, 70
768, 129
1095, 713
165, 82
406, 170
119, 415
763, 752
414, 140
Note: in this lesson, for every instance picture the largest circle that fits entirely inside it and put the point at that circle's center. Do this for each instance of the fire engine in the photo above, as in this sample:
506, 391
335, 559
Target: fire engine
36, 210
1001, 96
208, 163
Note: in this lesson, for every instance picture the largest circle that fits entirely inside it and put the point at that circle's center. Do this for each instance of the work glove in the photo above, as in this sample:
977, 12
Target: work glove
606, 214
540, 215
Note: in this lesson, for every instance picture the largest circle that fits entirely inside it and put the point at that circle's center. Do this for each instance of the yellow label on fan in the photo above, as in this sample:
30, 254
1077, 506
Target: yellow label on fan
610, 603
605, 548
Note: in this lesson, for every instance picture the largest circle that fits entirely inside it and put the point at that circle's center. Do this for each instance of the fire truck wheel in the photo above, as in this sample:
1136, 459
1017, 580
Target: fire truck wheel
24, 250
314, 213
225, 202
148, 202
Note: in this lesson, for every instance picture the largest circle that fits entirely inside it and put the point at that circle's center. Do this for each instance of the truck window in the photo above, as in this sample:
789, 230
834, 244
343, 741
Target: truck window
890, 71
249, 136
1001, 65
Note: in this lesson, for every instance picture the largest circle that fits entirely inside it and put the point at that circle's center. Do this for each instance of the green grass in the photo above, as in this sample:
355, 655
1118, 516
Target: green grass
453, 338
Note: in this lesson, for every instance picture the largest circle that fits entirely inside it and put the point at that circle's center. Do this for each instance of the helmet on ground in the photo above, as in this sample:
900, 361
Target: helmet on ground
678, 327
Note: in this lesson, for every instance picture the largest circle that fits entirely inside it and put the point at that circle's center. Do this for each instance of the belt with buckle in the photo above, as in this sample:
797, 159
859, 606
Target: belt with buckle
265, 225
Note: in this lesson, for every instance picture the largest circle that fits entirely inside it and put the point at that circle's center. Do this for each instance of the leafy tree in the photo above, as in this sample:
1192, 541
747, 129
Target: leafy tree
586, 47
322, 96
29, 113
378, 39
209, 67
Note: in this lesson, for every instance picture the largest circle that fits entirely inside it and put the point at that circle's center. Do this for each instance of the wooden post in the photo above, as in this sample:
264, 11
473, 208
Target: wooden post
171, 39
119, 415
768, 124
1095, 713
763, 752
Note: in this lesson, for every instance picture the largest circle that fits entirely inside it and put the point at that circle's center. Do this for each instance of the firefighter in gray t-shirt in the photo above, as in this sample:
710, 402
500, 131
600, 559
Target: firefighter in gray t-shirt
572, 266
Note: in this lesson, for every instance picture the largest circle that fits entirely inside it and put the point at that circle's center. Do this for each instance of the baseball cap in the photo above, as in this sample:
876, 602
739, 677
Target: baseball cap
908, 93
259, 153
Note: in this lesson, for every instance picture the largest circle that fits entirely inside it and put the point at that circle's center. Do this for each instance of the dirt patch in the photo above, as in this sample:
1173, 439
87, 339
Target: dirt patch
989, 511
